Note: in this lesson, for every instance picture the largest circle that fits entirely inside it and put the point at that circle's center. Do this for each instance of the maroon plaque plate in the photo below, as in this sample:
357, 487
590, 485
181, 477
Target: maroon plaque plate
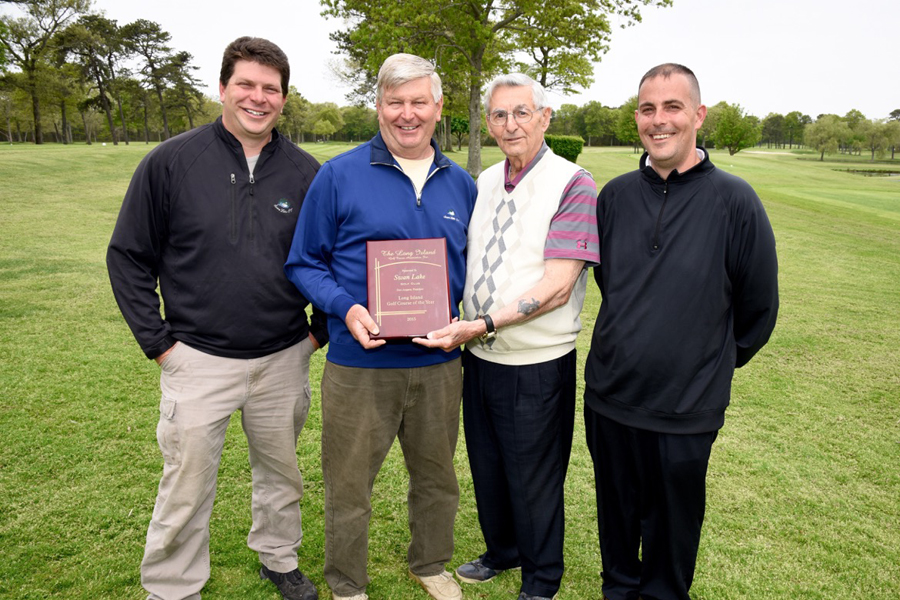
409, 289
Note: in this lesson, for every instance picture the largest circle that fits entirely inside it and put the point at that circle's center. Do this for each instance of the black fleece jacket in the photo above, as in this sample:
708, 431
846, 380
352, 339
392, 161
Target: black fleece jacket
215, 237
689, 279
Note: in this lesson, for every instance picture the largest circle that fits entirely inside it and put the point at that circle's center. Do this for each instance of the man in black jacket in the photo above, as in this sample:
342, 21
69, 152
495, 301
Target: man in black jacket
689, 279
210, 215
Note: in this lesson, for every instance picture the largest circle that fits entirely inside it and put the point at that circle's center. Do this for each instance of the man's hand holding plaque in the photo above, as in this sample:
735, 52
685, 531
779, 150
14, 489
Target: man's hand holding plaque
408, 287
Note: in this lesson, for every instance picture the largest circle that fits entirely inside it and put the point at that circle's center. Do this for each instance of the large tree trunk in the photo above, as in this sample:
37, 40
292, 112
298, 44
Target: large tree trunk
104, 102
36, 114
87, 132
146, 118
473, 162
8, 122
122, 119
65, 122
162, 108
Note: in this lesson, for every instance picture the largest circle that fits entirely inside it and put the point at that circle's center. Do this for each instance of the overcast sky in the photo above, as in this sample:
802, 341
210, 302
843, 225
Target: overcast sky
815, 56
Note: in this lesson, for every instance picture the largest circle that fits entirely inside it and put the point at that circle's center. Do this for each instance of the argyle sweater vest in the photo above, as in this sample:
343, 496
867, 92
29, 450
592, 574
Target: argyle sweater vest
505, 259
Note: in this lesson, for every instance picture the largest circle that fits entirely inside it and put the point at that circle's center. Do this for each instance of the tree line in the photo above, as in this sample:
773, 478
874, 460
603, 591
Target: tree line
59, 60
124, 82
729, 127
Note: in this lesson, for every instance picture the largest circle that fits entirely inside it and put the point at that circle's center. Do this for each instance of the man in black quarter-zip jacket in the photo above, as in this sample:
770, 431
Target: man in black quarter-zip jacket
210, 215
689, 279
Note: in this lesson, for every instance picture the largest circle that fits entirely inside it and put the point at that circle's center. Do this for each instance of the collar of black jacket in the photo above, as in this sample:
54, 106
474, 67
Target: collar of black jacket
235, 143
699, 170
380, 155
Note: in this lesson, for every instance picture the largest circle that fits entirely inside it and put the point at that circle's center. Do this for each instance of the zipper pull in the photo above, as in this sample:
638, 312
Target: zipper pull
252, 181
233, 180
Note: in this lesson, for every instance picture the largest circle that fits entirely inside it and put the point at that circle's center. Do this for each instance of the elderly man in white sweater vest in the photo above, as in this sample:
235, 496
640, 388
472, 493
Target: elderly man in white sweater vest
532, 237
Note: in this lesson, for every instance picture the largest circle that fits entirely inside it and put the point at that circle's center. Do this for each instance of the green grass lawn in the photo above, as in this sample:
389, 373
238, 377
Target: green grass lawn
804, 483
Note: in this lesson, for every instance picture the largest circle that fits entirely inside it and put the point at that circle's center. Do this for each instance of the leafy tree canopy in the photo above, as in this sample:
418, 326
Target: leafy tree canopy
473, 40
735, 130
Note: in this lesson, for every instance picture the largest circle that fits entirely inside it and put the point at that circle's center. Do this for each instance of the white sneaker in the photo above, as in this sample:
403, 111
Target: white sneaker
362, 596
440, 587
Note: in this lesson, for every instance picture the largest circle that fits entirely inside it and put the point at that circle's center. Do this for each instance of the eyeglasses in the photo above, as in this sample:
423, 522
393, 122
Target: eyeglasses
519, 115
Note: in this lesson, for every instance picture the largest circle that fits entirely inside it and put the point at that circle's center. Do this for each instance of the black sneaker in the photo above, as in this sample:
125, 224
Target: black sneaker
476, 572
293, 586
524, 596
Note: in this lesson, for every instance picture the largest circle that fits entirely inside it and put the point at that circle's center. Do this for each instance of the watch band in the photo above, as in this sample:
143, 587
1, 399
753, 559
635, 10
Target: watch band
490, 330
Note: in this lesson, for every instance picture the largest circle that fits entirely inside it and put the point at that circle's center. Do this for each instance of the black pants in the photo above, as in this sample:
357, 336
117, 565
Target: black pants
651, 498
518, 425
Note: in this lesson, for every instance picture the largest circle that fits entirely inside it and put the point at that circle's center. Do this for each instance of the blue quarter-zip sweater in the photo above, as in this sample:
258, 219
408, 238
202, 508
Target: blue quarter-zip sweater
364, 195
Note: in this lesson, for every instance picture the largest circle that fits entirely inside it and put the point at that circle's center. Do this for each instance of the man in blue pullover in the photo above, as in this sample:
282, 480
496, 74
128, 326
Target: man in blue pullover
689, 279
397, 186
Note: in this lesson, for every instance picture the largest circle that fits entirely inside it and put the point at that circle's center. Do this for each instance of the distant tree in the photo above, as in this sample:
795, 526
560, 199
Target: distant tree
826, 134
564, 121
295, 118
140, 104
875, 136
27, 44
858, 125
707, 131
148, 41
360, 122
626, 126
895, 115
184, 92
599, 122
90, 119
94, 43
324, 127
794, 124
325, 111
459, 126
892, 135
6, 109
63, 90
773, 129
735, 130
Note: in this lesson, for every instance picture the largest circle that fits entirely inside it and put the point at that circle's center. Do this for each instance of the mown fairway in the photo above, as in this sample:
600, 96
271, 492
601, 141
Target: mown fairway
804, 485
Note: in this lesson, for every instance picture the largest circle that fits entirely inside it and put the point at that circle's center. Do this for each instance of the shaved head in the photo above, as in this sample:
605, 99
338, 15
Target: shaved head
666, 70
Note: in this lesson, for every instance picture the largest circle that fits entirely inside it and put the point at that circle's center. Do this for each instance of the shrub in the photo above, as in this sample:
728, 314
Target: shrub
566, 146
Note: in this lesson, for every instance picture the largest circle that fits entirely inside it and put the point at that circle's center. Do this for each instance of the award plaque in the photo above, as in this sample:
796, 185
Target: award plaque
408, 285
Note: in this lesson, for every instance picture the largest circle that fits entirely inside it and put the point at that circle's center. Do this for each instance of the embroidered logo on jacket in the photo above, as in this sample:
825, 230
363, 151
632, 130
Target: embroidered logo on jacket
451, 216
284, 206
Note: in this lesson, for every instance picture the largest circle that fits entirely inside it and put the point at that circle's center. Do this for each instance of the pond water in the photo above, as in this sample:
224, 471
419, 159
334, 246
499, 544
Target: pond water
870, 172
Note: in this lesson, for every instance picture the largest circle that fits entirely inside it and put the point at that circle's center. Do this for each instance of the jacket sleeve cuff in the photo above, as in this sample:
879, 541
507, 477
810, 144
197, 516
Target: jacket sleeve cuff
160, 347
342, 305
318, 328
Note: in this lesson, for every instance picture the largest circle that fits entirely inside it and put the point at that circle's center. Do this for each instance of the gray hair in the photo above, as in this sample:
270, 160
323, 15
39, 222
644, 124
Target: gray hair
666, 70
398, 69
538, 96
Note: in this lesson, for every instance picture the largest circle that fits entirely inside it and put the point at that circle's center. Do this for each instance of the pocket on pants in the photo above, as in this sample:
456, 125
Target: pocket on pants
167, 408
167, 434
